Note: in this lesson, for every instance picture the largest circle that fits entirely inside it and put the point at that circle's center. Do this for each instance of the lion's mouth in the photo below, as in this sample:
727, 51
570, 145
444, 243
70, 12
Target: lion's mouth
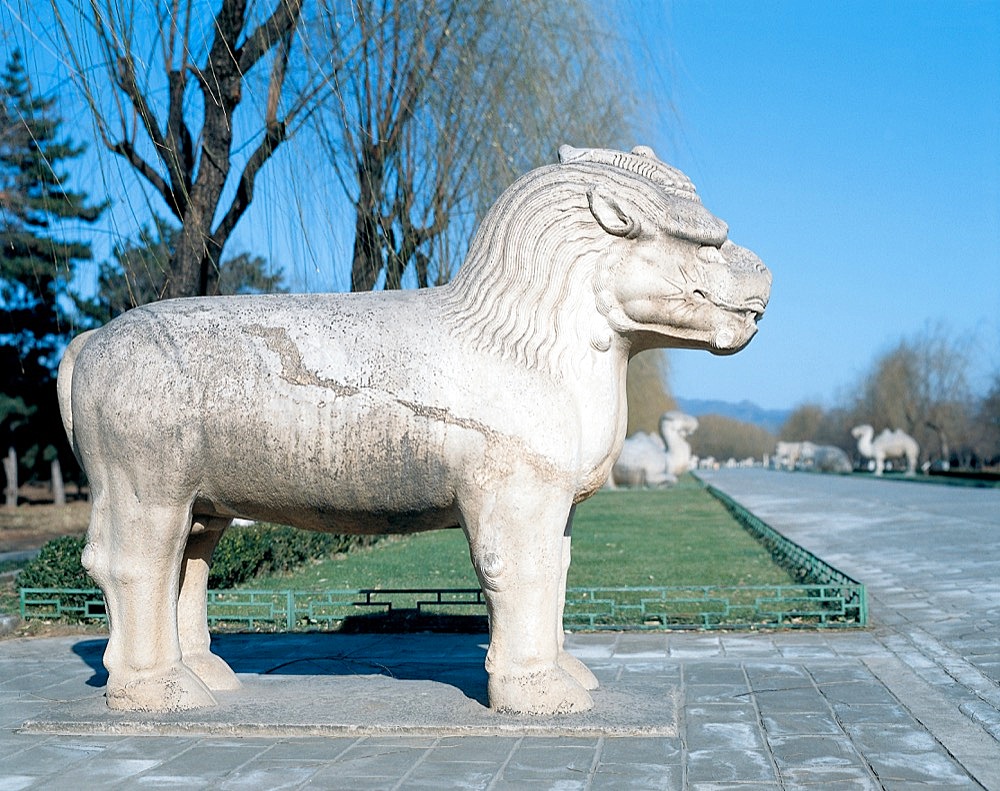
751, 306
755, 305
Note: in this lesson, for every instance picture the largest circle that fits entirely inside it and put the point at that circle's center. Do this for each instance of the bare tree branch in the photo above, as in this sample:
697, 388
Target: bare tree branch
244, 192
278, 26
125, 149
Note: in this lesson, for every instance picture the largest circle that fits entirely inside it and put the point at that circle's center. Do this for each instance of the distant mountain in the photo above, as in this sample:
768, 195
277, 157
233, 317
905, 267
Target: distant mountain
745, 411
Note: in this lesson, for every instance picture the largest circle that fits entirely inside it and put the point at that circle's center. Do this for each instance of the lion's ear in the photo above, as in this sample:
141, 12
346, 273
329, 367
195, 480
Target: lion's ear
614, 216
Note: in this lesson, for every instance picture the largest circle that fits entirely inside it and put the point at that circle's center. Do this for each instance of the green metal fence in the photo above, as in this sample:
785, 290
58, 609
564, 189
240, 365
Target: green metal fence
822, 598
645, 608
711, 607
263, 610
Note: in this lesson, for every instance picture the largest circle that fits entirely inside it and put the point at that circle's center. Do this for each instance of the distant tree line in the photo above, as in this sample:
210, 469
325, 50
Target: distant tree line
920, 385
724, 438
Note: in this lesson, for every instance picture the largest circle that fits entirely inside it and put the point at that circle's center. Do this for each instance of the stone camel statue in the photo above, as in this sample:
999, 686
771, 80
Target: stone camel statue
675, 428
654, 460
492, 404
887, 445
641, 464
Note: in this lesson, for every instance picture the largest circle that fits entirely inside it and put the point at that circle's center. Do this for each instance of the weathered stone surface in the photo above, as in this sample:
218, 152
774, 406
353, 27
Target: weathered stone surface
492, 404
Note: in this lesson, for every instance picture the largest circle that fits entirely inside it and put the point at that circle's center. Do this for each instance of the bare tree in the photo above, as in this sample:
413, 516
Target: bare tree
726, 438
163, 82
441, 103
987, 425
806, 422
814, 423
921, 386
647, 390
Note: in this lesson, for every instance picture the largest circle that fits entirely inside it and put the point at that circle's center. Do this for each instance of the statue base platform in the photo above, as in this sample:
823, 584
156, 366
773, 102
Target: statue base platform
354, 685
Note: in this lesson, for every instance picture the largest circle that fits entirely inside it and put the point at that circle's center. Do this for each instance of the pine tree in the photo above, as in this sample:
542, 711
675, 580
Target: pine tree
36, 265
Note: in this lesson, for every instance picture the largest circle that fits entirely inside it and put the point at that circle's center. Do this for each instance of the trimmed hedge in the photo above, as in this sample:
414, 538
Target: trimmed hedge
242, 554
245, 552
57, 565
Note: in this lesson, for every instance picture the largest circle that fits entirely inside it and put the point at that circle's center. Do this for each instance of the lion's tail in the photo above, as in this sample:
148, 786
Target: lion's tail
64, 383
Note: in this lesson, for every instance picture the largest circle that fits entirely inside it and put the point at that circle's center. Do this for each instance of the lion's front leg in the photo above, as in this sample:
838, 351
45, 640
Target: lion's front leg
567, 661
517, 549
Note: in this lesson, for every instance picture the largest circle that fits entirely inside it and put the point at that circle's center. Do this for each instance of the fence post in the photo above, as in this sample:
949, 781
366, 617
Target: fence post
290, 623
58, 488
10, 470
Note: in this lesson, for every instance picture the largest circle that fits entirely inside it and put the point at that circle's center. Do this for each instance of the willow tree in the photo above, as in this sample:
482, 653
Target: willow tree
442, 103
920, 385
196, 99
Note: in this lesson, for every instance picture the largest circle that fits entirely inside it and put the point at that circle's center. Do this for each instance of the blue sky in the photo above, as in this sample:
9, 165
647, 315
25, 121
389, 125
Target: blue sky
855, 147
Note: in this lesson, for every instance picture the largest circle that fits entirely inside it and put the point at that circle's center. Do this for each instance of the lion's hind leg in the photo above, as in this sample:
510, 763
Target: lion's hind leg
134, 553
567, 661
192, 611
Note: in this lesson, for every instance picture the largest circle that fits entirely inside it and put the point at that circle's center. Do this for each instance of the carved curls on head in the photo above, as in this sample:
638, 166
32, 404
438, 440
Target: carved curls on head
641, 160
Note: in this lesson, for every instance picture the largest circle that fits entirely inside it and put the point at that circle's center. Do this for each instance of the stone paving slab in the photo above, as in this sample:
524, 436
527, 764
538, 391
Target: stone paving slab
774, 719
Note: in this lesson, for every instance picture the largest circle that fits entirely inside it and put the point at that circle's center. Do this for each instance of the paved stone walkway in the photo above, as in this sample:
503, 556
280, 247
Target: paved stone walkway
911, 703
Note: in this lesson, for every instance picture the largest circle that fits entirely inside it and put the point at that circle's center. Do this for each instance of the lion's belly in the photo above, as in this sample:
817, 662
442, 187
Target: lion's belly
348, 455
329, 520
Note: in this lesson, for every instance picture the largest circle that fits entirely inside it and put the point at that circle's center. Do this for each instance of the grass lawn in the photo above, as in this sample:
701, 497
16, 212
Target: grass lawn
676, 536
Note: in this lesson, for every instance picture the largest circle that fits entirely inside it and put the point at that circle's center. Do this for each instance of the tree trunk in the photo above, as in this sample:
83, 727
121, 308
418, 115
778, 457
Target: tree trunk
185, 278
366, 262
58, 489
943, 440
10, 470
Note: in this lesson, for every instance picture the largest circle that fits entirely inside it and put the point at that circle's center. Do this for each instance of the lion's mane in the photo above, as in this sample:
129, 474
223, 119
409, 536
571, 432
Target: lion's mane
533, 286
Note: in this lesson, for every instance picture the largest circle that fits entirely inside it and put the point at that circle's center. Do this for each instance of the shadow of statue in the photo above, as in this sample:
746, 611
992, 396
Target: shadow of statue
399, 646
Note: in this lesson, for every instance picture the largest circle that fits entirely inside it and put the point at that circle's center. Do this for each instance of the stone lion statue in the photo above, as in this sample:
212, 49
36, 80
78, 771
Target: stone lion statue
824, 458
492, 404
788, 454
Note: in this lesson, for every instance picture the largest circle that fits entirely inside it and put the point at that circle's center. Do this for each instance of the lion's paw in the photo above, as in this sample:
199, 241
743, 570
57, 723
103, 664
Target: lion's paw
578, 670
211, 669
176, 689
551, 691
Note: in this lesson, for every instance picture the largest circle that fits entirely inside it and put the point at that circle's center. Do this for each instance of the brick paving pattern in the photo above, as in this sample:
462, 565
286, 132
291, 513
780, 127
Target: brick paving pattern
911, 703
